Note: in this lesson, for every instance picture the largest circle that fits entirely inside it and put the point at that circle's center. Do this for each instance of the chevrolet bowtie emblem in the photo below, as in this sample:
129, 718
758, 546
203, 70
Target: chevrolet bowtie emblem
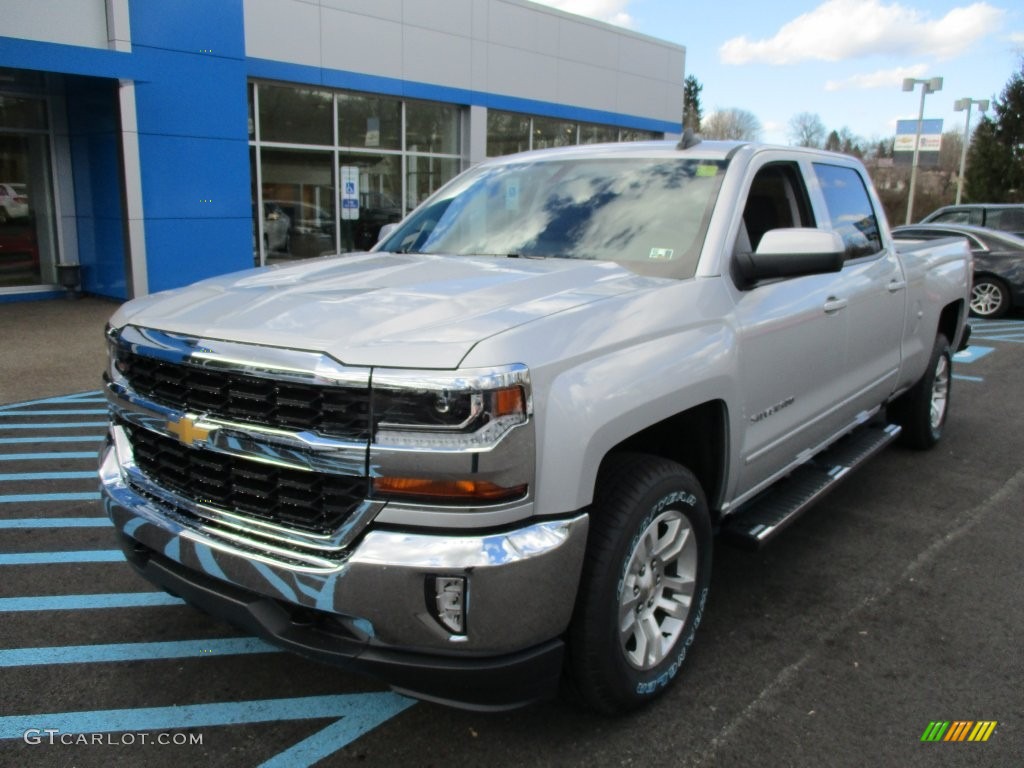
187, 431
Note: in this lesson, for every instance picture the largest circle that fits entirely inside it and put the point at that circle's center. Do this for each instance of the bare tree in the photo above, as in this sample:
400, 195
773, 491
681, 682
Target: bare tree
806, 130
732, 123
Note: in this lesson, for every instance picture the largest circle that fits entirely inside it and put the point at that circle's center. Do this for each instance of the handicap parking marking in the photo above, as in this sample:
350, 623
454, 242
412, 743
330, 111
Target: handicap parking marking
109, 652
359, 713
998, 330
33, 439
972, 354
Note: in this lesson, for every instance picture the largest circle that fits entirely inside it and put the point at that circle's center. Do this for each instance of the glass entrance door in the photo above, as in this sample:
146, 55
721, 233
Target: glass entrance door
27, 223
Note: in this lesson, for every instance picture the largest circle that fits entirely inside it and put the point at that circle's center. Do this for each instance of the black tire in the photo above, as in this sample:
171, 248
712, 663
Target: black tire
990, 298
913, 410
640, 502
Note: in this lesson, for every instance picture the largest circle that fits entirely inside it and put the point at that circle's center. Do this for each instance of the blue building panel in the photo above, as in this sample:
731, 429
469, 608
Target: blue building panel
194, 178
181, 251
192, 26
169, 101
95, 160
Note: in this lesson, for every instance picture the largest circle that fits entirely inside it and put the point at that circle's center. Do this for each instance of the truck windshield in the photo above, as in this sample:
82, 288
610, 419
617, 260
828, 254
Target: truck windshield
650, 214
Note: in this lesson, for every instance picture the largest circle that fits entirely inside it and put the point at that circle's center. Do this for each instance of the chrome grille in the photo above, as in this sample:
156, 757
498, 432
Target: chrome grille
308, 501
342, 411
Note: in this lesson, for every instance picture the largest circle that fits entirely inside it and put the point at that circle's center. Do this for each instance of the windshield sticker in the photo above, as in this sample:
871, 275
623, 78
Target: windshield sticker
660, 254
707, 171
512, 195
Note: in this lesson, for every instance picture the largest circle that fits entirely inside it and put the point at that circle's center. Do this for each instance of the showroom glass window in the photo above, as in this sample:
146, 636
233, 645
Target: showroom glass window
28, 250
510, 132
330, 168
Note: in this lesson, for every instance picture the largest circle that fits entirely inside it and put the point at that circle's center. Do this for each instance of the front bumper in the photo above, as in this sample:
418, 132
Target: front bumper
370, 610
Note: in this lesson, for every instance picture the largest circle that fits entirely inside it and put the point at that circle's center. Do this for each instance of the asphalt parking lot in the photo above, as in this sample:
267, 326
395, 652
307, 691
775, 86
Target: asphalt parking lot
894, 604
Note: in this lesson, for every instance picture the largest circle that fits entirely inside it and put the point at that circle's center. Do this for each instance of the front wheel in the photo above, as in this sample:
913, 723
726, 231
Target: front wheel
644, 582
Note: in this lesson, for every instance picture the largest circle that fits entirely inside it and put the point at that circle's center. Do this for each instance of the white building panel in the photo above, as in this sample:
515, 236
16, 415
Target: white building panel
508, 48
436, 57
451, 16
520, 73
283, 30
516, 25
391, 10
645, 58
642, 95
587, 84
587, 43
358, 43
82, 22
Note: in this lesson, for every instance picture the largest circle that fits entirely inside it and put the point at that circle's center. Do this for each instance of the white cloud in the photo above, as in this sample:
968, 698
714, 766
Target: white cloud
847, 29
611, 11
882, 78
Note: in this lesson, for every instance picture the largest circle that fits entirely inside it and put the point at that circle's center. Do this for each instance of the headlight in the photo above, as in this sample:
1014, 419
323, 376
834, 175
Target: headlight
114, 373
458, 412
441, 438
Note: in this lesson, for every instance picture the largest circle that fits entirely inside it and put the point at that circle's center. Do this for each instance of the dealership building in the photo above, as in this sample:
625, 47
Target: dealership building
147, 144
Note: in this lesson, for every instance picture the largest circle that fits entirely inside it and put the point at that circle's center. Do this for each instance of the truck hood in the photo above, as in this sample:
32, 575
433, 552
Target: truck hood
381, 309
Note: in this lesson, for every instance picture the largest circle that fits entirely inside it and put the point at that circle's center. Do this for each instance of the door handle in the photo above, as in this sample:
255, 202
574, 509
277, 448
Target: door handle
897, 285
833, 305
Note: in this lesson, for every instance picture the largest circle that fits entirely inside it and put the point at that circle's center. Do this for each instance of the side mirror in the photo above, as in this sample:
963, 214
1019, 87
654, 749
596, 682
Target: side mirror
386, 231
791, 253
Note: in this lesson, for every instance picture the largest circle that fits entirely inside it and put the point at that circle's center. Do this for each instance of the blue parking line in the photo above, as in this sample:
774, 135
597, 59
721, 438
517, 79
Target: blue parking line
54, 425
51, 456
89, 654
59, 412
361, 713
56, 522
57, 558
87, 602
97, 438
19, 476
24, 498
93, 396
337, 735
962, 377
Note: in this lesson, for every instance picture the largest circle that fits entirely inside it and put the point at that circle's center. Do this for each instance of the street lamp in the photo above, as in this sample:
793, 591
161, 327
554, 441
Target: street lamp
931, 85
959, 106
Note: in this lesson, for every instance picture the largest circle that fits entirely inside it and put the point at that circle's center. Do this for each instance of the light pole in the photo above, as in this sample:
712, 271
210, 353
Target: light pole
931, 85
959, 106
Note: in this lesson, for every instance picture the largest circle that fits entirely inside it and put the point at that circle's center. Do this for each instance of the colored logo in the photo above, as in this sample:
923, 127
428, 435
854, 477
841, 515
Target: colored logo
187, 431
959, 730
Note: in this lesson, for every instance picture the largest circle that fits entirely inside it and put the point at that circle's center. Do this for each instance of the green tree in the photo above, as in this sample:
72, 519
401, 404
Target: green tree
988, 162
995, 158
693, 113
833, 143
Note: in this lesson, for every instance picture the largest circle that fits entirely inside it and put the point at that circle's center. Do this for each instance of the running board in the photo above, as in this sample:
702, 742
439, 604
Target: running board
768, 514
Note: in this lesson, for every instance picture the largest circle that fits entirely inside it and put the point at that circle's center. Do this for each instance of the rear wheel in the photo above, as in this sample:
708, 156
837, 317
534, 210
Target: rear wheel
644, 582
989, 297
922, 410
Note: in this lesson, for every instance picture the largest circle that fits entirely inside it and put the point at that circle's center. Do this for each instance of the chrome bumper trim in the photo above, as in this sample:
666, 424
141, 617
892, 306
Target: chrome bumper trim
381, 579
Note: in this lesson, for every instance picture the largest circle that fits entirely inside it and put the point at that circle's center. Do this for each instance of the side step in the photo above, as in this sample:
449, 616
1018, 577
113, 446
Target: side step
771, 512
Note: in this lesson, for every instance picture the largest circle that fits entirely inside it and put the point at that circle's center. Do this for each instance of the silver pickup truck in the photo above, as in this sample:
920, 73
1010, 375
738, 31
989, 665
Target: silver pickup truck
490, 457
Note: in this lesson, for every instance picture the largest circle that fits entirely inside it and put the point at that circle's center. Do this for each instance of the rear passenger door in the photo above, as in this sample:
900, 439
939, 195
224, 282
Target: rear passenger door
873, 290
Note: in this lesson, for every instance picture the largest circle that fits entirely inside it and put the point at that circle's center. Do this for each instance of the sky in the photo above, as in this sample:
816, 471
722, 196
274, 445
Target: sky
844, 60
